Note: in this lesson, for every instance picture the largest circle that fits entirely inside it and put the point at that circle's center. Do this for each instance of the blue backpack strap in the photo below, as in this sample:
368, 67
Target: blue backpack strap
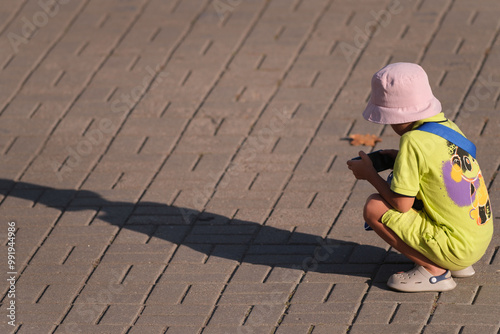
450, 135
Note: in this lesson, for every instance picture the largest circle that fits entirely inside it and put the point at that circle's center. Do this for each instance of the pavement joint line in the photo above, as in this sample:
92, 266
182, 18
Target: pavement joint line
329, 293
418, 5
493, 178
266, 105
495, 253
127, 30
96, 214
30, 258
476, 76
221, 74
7, 62
58, 39
165, 62
101, 316
133, 22
36, 109
352, 66
174, 7
442, 17
171, 52
433, 310
44, 55
284, 75
9, 146
139, 150
476, 295
66, 257
12, 17
216, 304
359, 307
41, 294
288, 302
168, 58
394, 312
239, 44
287, 70
247, 315
63, 210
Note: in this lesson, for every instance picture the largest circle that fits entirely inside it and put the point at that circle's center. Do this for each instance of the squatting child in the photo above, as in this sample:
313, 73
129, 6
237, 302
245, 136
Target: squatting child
454, 227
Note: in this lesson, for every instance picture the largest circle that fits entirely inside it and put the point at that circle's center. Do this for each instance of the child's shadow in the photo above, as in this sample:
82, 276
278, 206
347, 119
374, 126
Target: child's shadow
213, 234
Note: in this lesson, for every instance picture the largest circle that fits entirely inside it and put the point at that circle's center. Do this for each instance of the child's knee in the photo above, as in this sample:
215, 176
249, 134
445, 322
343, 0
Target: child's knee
375, 208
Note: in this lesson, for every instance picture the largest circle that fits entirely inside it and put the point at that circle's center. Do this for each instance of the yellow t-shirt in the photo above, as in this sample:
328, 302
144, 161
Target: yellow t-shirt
451, 186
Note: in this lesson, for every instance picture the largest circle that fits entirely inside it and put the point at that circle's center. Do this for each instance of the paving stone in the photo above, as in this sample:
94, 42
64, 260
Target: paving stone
149, 329
462, 294
229, 315
465, 315
203, 294
120, 314
284, 275
143, 273
170, 320
441, 329
265, 315
320, 318
104, 294
341, 273
412, 313
167, 294
58, 294
184, 329
250, 273
330, 329
294, 329
136, 258
112, 273
90, 328
320, 308
376, 313
34, 328
52, 255
480, 329
238, 329
487, 295
384, 328
382, 293
312, 293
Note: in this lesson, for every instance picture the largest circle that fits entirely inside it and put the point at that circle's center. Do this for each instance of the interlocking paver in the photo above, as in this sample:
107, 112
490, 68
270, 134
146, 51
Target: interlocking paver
229, 315
179, 166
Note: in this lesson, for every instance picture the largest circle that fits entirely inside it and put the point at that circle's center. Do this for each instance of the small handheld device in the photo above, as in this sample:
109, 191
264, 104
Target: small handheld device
380, 161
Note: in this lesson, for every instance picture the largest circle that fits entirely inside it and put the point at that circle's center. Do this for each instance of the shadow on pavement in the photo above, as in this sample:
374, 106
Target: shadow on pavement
212, 234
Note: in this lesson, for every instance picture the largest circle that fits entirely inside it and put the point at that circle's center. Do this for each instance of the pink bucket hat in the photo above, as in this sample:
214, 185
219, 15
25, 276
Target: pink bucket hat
401, 93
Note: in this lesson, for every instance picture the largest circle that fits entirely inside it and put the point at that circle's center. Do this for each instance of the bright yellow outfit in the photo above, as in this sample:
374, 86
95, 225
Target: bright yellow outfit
455, 226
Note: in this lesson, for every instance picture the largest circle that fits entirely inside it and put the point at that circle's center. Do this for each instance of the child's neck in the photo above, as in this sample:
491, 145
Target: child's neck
402, 128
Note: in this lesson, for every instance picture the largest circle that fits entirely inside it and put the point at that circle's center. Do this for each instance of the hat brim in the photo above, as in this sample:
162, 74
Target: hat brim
385, 115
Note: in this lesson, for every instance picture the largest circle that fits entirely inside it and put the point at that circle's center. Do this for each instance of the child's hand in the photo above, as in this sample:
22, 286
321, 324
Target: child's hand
362, 169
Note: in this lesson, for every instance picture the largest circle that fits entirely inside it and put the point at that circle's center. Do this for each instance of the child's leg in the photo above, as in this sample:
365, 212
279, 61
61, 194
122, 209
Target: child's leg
375, 208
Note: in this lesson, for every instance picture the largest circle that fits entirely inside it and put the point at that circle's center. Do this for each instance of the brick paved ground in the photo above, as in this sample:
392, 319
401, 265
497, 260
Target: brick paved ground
178, 165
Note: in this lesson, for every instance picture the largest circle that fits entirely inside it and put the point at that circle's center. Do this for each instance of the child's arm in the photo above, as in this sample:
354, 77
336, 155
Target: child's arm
397, 201
363, 170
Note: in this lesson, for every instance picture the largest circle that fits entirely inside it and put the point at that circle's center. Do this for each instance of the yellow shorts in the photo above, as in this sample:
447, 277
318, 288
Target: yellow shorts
420, 232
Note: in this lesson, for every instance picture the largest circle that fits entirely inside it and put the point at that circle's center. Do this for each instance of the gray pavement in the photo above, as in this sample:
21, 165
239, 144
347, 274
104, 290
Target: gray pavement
178, 166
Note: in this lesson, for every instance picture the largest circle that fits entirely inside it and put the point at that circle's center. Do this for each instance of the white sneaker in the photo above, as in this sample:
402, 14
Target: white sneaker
418, 280
467, 272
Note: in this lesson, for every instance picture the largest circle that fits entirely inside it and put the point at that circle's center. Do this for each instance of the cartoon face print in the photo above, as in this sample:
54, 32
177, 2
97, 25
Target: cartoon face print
463, 165
465, 184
